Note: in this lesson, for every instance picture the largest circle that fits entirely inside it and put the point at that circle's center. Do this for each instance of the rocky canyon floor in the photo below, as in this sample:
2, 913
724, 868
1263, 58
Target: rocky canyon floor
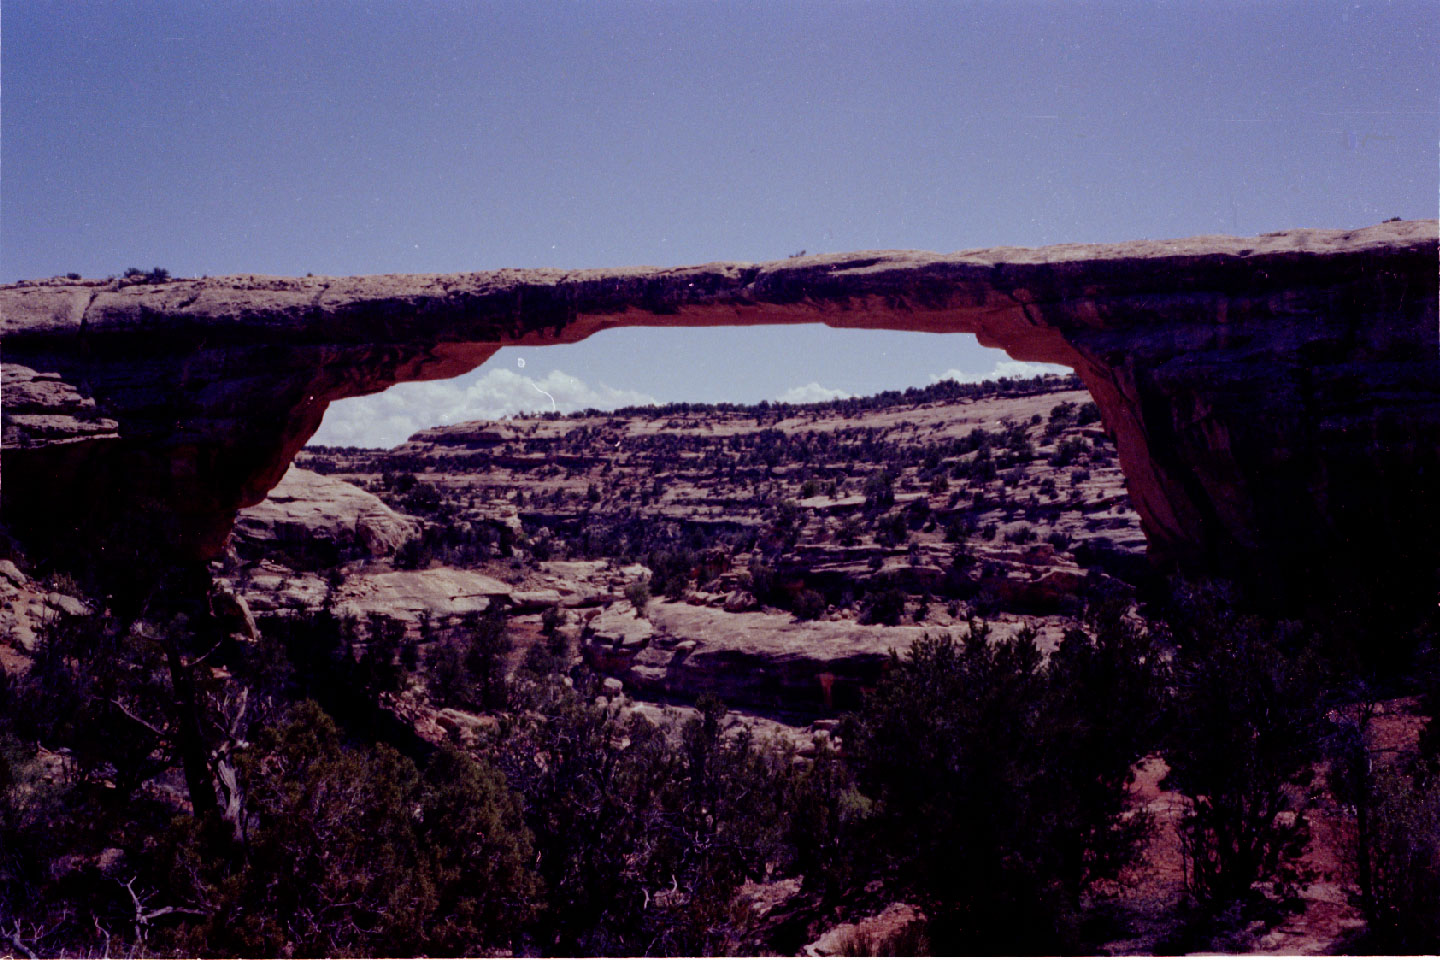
797, 547
773, 556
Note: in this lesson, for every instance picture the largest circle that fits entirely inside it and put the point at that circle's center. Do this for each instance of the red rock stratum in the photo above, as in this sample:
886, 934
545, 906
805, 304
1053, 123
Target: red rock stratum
1275, 400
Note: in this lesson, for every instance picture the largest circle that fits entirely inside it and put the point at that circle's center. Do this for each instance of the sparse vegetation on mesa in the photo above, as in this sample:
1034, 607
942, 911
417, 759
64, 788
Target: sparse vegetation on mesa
155, 275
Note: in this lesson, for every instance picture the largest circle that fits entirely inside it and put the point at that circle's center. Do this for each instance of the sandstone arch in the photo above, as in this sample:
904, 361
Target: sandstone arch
1275, 400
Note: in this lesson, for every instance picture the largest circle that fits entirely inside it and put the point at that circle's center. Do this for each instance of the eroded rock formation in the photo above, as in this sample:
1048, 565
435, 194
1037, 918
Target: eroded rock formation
308, 508
1275, 401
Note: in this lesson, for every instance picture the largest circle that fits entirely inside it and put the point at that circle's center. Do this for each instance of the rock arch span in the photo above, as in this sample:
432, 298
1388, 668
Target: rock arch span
1275, 400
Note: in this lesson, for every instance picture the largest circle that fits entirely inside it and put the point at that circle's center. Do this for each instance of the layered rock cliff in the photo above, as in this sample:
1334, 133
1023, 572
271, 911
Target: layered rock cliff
1275, 400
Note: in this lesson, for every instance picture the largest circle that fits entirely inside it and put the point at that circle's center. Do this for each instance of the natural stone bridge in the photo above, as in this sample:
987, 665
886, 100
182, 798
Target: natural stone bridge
1275, 400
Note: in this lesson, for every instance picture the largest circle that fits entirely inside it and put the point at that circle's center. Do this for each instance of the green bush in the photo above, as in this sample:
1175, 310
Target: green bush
885, 607
880, 491
1405, 862
1245, 732
1022, 534
891, 530
999, 781
642, 842
638, 593
353, 851
808, 604
1396, 849
1069, 451
468, 668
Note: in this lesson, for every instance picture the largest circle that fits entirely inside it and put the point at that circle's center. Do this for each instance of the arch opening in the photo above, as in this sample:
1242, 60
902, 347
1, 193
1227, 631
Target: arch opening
1272, 399
639, 366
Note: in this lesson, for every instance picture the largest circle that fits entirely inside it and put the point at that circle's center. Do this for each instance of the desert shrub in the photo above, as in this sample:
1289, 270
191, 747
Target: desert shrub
891, 530
354, 851
886, 607
808, 604
983, 468
97, 700
1062, 413
1017, 443
642, 840
101, 693
1396, 848
917, 514
999, 781
468, 668
638, 593
670, 571
542, 549
789, 521
157, 275
1245, 733
423, 498
1022, 534
1405, 862
827, 819
763, 583
460, 544
328, 659
550, 621
880, 491
1068, 451
380, 668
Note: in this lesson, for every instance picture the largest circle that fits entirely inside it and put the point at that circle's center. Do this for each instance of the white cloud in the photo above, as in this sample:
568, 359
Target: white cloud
389, 418
1018, 369
812, 392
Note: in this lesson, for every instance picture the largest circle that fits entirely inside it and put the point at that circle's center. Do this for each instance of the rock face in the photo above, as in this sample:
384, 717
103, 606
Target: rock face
306, 508
766, 661
1275, 401
408, 596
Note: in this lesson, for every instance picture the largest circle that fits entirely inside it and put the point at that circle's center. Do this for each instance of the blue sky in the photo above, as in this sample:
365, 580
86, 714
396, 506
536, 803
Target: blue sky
350, 137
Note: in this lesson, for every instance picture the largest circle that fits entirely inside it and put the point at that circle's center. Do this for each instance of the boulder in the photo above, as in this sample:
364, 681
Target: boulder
308, 512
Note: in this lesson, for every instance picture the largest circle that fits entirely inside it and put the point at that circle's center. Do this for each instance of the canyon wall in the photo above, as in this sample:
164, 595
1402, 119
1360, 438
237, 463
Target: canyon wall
1275, 400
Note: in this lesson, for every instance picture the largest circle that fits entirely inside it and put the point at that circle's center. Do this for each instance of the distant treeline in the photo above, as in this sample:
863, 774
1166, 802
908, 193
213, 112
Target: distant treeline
946, 391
